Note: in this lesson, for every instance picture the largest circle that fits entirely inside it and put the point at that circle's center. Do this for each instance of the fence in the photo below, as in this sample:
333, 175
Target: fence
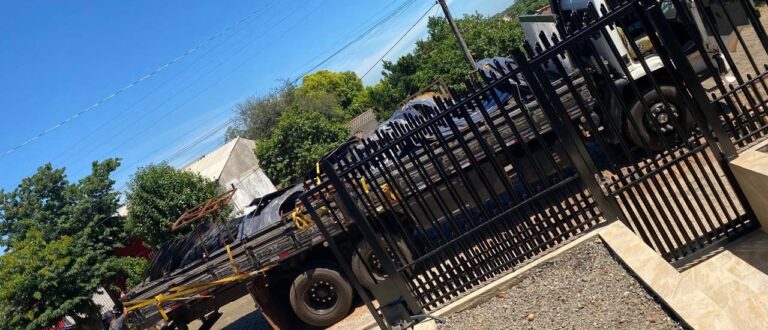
580, 129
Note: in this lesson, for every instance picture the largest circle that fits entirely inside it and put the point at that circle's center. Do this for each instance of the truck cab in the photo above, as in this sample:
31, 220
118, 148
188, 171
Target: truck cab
624, 55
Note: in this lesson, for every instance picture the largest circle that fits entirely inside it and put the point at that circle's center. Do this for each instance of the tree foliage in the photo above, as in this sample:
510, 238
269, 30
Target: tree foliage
255, 116
299, 124
439, 57
158, 194
298, 141
60, 238
343, 85
135, 271
524, 7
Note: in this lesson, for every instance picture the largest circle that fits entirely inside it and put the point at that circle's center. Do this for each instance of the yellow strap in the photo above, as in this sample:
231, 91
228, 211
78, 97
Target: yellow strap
317, 169
384, 188
181, 291
389, 192
231, 259
301, 221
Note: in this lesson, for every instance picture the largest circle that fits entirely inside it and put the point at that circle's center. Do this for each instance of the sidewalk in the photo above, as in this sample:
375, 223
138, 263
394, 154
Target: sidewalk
736, 279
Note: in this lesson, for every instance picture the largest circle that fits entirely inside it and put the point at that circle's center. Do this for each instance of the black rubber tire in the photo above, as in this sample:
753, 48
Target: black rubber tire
365, 250
310, 315
645, 137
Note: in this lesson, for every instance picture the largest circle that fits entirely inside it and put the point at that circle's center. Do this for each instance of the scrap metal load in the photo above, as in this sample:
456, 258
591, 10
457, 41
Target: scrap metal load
192, 276
279, 227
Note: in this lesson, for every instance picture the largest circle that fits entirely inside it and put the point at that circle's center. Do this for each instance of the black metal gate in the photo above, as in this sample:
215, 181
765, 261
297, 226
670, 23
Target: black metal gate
576, 131
658, 144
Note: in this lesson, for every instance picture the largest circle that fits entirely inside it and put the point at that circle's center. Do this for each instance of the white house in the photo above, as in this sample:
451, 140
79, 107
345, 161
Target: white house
235, 163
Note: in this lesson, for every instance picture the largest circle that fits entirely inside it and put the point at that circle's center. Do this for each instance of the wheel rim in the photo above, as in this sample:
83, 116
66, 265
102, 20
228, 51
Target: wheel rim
661, 117
321, 296
375, 263
376, 268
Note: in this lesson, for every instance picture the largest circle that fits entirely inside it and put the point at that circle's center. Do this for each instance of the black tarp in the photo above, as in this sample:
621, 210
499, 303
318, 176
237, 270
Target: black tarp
268, 210
182, 251
209, 237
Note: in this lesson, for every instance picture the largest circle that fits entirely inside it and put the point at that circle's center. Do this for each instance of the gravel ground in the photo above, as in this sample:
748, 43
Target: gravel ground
584, 288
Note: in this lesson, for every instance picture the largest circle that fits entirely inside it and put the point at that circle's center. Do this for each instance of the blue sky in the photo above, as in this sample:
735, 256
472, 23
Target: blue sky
57, 58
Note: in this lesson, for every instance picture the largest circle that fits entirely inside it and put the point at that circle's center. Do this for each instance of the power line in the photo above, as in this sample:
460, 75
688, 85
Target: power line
200, 92
302, 19
398, 41
199, 140
152, 110
344, 39
158, 88
373, 33
358, 38
126, 87
381, 21
181, 150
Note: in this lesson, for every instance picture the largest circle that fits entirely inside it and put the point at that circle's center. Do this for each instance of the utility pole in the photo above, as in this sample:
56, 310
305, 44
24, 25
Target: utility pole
467, 54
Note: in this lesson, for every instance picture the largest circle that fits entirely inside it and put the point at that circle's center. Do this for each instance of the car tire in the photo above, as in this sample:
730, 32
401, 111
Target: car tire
365, 258
321, 297
645, 134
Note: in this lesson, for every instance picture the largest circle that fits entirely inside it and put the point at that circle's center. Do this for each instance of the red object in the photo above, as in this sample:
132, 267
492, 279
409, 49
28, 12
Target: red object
134, 247
61, 325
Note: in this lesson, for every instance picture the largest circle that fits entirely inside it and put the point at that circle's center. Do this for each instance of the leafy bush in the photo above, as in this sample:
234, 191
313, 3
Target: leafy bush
158, 194
298, 141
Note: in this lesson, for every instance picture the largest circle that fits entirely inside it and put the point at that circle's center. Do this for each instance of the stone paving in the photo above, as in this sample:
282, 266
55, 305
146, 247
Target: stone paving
736, 279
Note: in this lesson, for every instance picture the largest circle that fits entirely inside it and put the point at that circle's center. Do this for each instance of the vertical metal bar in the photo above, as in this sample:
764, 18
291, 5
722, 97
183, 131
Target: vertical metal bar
343, 263
369, 234
584, 163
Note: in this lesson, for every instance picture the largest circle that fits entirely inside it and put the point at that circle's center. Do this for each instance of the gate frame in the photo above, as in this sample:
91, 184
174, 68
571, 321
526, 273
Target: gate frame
399, 306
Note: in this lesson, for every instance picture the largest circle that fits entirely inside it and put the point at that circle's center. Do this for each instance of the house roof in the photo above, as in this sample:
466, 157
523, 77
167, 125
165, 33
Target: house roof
364, 124
212, 164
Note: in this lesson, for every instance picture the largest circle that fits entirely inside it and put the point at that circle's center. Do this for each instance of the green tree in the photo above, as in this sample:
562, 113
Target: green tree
322, 103
298, 141
158, 194
439, 57
36, 203
60, 238
255, 116
344, 85
135, 271
523, 7
378, 97
38, 289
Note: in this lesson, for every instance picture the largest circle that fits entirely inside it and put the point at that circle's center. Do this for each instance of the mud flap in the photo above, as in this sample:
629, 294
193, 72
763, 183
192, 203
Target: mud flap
261, 295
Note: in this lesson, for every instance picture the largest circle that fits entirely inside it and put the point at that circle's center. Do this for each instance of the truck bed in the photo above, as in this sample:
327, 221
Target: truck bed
268, 247
283, 240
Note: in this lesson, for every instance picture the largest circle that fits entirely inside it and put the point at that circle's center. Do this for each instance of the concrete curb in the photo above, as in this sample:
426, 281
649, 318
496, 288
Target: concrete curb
689, 303
482, 294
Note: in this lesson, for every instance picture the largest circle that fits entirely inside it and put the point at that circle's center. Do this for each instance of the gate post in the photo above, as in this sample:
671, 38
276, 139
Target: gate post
340, 257
567, 133
396, 301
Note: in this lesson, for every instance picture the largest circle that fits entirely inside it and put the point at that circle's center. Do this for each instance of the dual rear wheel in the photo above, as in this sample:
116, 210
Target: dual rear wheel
321, 297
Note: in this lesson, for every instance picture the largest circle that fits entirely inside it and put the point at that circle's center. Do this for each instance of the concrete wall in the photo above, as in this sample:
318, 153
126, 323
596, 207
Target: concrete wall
751, 171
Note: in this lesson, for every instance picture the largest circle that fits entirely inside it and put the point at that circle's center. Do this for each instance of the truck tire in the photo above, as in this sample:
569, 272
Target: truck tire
366, 257
320, 297
653, 136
